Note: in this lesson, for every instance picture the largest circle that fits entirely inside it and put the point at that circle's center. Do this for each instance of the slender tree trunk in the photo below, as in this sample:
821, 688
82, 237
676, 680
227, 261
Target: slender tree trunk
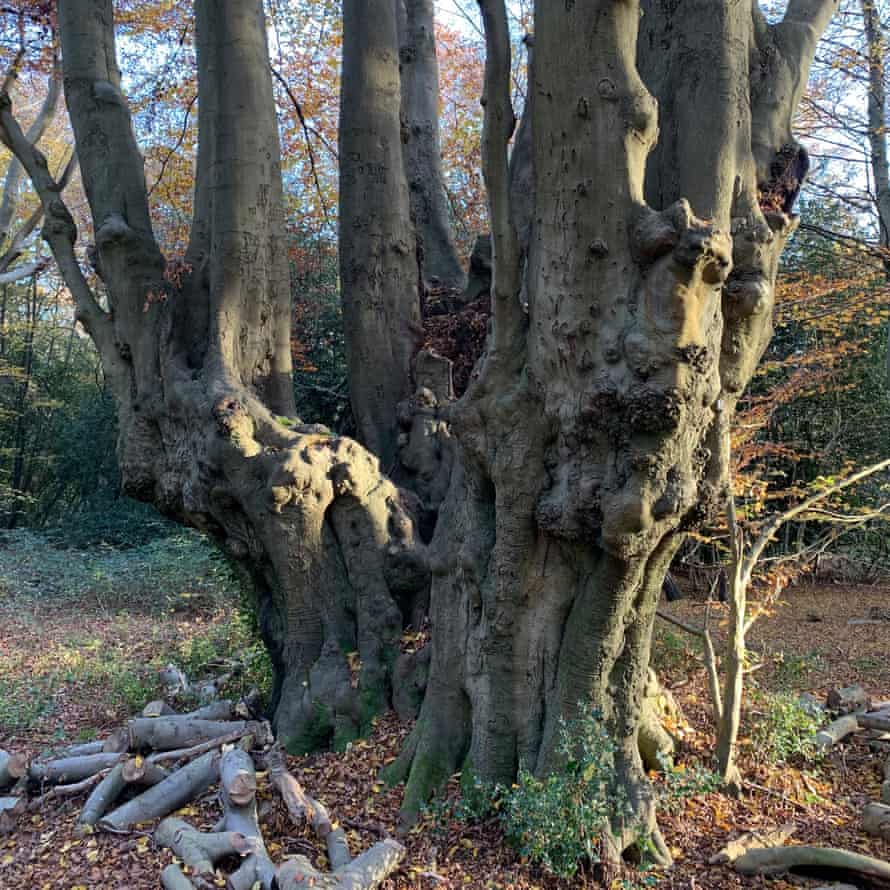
423, 154
875, 45
20, 436
378, 251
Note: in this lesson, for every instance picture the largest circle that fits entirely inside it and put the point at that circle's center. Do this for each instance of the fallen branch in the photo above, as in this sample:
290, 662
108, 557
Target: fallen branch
302, 807
58, 791
70, 769
158, 708
179, 731
139, 771
779, 860
365, 872
875, 720
83, 748
104, 796
173, 878
162, 799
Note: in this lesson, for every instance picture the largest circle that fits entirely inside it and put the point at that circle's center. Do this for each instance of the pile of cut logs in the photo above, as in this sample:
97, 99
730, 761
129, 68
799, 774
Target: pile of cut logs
767, 854
159, 762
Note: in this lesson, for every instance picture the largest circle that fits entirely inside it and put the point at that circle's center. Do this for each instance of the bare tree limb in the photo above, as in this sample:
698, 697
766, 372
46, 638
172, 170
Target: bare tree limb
59, 230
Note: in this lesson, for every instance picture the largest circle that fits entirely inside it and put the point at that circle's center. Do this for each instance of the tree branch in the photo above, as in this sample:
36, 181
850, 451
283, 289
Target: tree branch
59, 230
776, 523
499, 125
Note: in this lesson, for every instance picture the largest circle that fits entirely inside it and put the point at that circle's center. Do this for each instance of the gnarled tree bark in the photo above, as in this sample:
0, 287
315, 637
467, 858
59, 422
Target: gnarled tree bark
595, 433
200, 365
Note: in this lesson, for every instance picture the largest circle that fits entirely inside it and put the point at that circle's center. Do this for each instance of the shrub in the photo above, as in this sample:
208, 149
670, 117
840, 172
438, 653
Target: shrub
785, 729
561, 821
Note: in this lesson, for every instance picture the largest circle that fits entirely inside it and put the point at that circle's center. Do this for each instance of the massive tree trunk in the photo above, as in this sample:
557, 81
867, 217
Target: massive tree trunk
596, 430
423, 155
199, 362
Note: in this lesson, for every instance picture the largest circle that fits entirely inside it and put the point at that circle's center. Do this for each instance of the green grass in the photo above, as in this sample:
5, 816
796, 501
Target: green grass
116, 618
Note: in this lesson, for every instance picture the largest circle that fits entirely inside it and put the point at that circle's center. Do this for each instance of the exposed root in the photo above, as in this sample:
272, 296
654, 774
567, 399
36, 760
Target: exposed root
814, 861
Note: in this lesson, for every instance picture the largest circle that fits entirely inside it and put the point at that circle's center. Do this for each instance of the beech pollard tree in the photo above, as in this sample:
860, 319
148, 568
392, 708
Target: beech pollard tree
634, 274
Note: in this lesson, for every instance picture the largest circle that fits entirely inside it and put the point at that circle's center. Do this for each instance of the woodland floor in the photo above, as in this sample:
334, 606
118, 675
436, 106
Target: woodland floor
74, 663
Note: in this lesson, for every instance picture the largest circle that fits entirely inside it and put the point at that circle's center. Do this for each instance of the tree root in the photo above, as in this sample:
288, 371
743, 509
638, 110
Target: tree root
814, 861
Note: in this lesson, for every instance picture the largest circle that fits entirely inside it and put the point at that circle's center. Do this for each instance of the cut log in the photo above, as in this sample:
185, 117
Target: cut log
104, 796
173, 878
237, 776
302, 807
12, 768
118, 742
365, 872
11, 810
876, 820
199, 850
879, 720
178, 731
70, 769
259, 732
173, 680
224, 709
158, 708
751, 840
184, 731
162, 799
139, 771
257, 868
836, 731
847, 700
780, 860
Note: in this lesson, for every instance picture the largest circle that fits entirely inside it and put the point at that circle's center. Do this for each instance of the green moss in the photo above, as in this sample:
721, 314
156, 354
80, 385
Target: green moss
429, 772
345, 732
315, 735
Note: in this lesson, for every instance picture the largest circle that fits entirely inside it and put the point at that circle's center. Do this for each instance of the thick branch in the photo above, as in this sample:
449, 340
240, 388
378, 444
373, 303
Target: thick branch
500, 123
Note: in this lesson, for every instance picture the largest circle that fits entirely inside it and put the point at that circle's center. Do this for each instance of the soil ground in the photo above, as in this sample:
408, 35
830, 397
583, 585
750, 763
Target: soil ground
59, 684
